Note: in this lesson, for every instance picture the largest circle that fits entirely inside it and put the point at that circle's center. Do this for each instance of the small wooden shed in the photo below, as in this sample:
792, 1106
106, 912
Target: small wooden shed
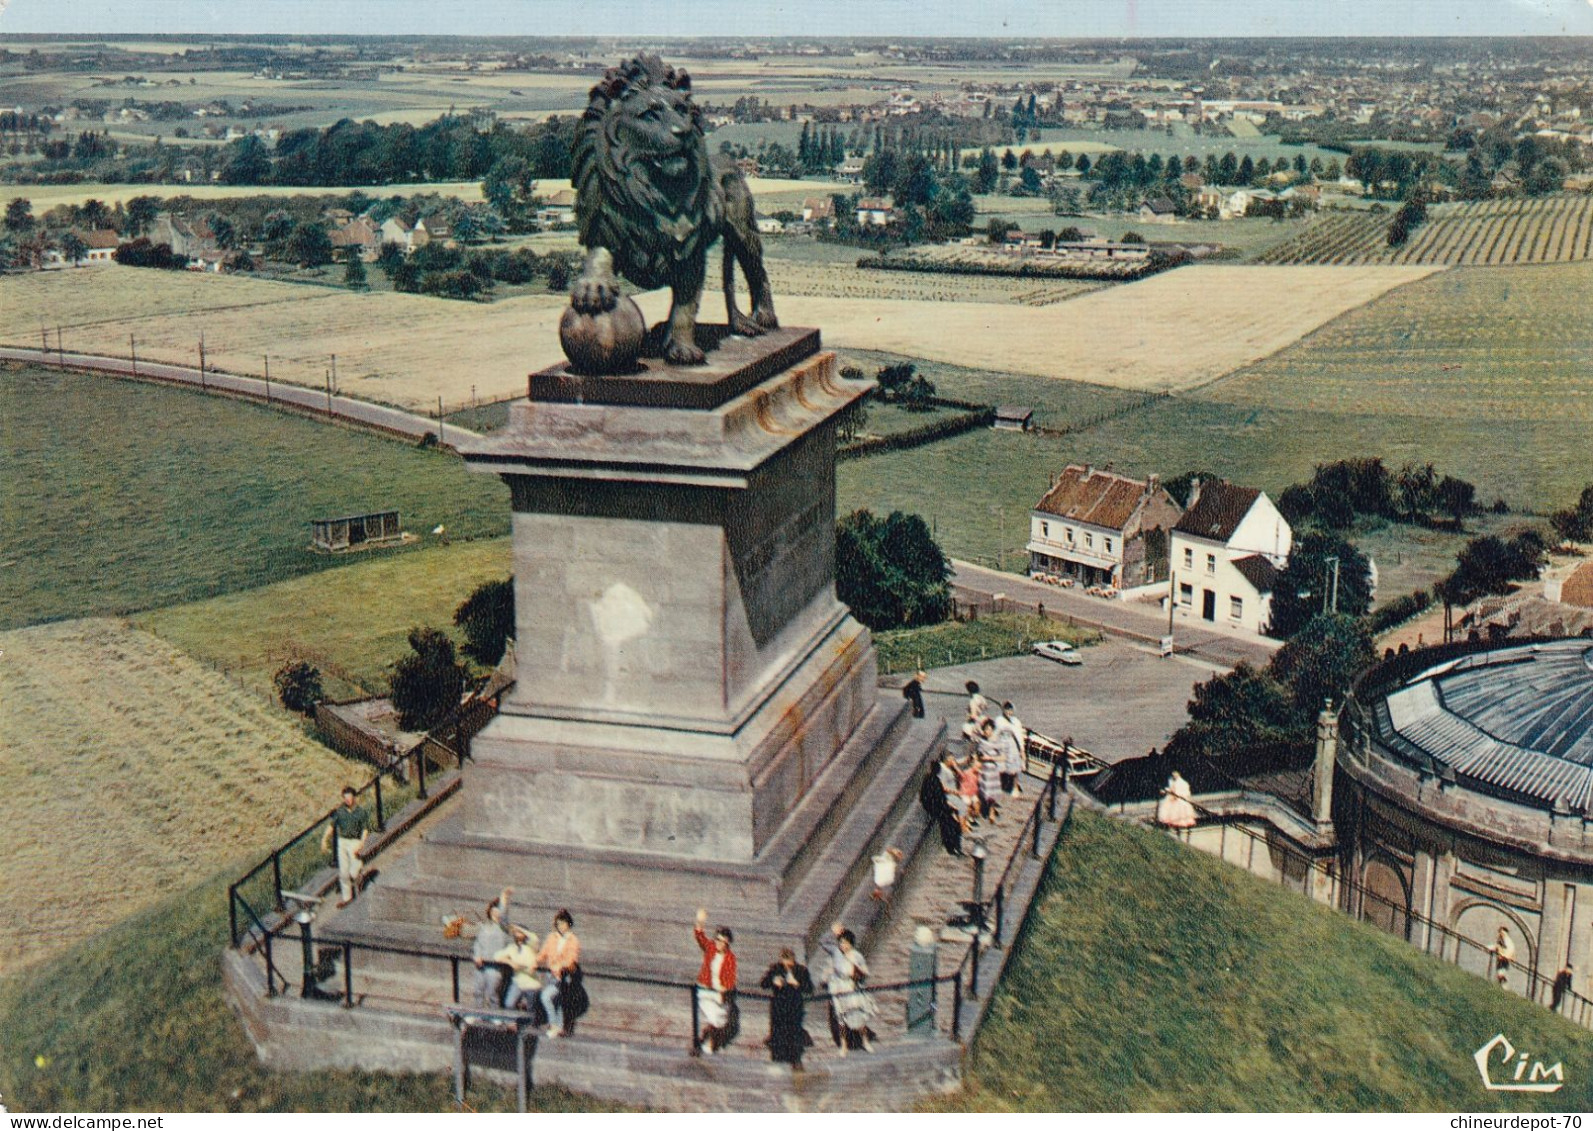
354, 531
1017, 418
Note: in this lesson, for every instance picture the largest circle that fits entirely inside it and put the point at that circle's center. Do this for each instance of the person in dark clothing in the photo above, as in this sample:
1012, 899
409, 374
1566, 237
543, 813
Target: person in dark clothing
913, 692
932, 796
790, 983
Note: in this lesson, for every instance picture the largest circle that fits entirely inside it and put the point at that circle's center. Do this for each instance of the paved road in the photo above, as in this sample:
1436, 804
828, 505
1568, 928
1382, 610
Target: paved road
1138, 622
1121, 701
297, 398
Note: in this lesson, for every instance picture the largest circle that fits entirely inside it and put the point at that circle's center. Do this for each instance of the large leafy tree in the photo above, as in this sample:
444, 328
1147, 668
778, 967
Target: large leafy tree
1304, 587
428, 682
890, 571
1322, 660
487, 619
1490, 565
1243, 710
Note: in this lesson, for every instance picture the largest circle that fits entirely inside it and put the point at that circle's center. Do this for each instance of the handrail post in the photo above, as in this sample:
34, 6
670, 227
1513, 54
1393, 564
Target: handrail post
271, 968
1034, 841
232, 914
1001, 905
454, 959
348, 974
276, 875
956, 1007
696, 1022
973, 973
420, 770
381, 821
1051, 787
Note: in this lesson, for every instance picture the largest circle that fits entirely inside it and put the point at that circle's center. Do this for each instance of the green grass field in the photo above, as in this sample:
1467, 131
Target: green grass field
121, 497
1155, 978
962, 642
351, 623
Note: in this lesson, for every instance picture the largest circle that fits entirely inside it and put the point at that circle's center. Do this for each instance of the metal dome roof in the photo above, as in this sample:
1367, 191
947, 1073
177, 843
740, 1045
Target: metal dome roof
1519, 719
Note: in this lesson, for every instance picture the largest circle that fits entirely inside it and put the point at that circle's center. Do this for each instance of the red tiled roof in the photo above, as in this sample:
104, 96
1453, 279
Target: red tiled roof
1578, 588
1218, 512
1100, 498
102, 238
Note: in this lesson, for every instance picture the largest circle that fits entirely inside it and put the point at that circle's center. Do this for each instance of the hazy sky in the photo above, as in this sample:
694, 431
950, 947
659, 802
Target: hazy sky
1064, 18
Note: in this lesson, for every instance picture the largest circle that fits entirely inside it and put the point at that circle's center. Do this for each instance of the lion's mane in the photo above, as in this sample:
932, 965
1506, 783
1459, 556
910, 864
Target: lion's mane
618, 204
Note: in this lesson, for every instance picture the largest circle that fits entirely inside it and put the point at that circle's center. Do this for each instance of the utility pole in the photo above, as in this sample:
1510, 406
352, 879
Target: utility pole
1330, 589
439, 422
60, 350
132, 349
201, 359
334, 372
328, 392
475, 410
268, 378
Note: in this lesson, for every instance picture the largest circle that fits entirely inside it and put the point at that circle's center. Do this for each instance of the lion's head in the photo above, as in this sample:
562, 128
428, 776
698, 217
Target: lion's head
644, 185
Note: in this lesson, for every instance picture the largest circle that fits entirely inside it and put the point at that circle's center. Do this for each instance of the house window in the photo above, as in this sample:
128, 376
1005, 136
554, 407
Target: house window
1089, 540
1189, 558
1186, 594
1108, 545
1045, 530
1211, 563
1070, 535
1236, 608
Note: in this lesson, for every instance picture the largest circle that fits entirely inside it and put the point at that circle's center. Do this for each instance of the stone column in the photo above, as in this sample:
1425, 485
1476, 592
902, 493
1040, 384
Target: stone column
1327, 750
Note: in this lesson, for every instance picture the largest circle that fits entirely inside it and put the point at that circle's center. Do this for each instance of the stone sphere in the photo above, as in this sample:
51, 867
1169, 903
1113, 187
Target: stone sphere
603, 344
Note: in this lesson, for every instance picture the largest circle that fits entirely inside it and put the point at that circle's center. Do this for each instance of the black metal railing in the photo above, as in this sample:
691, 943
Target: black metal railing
301, 856
962, 982
1550, 992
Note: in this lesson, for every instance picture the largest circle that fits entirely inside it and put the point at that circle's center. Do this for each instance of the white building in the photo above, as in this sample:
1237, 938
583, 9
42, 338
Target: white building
1226, 554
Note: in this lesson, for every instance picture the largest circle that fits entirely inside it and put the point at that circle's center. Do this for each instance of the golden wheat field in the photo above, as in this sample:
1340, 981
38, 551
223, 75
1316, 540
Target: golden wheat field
1172, 331
1175, 330
140, 772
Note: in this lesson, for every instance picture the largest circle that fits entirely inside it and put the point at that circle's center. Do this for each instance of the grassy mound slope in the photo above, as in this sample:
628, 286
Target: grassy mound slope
1152, 977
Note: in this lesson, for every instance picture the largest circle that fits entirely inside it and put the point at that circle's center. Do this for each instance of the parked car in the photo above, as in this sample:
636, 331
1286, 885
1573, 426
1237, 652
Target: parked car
1060, 651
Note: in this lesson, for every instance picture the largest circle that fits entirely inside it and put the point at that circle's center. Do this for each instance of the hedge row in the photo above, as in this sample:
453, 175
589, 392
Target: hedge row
1400, 610
918, 437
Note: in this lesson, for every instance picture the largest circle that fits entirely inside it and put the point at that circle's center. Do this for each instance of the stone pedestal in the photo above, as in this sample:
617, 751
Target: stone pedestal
697, 720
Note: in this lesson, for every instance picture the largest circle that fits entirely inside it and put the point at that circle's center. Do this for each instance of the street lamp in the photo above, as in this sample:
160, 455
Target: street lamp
979, 852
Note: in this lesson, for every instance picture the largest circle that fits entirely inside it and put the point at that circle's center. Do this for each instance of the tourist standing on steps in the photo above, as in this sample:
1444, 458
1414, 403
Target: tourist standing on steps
978, 705
989, 774
491, 939
913, 692
851, 1008
789, 984
716, 986
561, 954
1013, 740
349, 825
1176, 810
950, 779
932, 796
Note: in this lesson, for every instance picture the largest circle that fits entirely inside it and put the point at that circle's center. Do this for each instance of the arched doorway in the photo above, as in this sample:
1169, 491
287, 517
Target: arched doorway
1385, 898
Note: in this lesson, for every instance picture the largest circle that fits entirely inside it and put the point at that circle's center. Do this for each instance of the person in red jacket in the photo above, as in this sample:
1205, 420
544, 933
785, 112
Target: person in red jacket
716, 987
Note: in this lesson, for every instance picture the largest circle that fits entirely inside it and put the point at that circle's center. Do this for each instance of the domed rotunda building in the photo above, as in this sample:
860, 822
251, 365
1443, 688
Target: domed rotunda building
1465, 804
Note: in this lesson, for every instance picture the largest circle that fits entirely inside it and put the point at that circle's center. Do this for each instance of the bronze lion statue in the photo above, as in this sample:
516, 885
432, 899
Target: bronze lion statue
650, 202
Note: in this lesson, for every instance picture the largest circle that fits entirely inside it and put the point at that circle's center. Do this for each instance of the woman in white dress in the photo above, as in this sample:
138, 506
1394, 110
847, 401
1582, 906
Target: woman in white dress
851, 1008
1175, 810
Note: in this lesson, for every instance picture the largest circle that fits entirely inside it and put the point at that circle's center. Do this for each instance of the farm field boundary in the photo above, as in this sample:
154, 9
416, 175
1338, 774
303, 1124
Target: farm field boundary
290, 398
1508, 231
